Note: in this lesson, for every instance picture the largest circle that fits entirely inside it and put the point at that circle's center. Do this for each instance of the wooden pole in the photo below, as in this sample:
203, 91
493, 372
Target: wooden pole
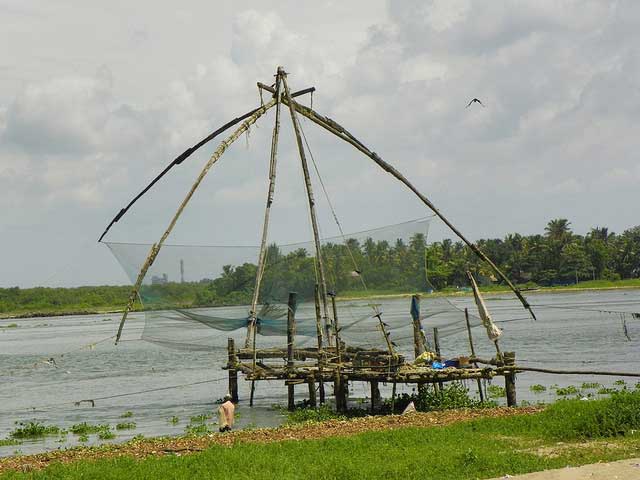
418, 344
473, 351
341, 132
393, 398
253, 391
312, 206
339, 387
319, 335
155, 248
375, 395
267, 212
291, 333
233, 372
312, 392
510, 378
436, 344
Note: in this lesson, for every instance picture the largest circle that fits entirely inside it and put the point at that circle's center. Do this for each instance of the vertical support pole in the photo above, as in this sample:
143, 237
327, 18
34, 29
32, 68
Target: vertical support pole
253, 391
393, 398
436, 343
233, 372
340, 386
312, 204
312, 392
319, 335
375, 395
510, 378
291, 333
473, 351
418, 345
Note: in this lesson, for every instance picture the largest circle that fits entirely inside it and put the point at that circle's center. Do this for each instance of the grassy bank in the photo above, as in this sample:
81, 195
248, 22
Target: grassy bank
39, 302
567, 433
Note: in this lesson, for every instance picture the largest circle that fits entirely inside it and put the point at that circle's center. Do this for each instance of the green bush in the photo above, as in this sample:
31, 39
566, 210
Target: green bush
570, 390
451, 396
496, 391
310, 414
577, 419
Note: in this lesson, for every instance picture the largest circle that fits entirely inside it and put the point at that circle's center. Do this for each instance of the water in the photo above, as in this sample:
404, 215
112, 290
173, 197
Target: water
32, 389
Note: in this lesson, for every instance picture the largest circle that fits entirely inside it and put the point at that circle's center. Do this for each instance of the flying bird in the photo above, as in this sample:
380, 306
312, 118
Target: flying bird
475, 100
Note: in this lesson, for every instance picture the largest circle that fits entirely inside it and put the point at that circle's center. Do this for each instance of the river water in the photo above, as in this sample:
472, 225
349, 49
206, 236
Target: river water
571, 332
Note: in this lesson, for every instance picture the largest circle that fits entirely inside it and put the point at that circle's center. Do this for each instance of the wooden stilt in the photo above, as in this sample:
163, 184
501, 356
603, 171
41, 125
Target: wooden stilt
291, 333
253, 391
312, 392
319, 335
375, 396
473, 351
436, 343
510, 378
418, 343
233, 372
393, 398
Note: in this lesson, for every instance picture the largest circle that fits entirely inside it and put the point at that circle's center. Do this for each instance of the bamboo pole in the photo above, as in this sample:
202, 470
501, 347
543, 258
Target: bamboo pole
312, 207
436, 344
155, 248
267, 212
340, 387
341, 132
291, 333
473, 351
319, 336
233, 372
418, 345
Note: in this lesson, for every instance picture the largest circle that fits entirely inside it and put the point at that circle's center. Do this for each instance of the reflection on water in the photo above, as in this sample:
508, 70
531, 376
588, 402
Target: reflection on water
32, 389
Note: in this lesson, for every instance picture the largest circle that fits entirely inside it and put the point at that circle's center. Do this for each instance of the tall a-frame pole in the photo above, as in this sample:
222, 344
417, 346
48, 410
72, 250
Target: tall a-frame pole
251, 328
312, 210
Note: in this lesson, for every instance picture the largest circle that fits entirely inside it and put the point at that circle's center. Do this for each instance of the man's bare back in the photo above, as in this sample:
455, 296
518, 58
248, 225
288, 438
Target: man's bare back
226, 413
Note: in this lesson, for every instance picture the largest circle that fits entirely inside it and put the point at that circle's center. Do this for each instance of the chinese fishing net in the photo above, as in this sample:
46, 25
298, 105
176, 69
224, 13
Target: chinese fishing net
194, 297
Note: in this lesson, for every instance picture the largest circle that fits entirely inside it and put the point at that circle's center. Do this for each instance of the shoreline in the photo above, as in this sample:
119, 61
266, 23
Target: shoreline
348, 298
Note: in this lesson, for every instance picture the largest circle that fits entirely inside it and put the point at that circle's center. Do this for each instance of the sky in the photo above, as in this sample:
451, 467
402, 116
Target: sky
96, 99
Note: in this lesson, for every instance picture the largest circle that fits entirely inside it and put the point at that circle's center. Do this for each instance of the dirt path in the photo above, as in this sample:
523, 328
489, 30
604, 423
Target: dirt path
186, 445
628, 469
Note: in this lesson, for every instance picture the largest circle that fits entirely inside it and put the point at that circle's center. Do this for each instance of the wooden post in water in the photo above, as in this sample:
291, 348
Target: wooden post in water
339, 387
418, 344
319, 335
375, 395
393, 398
510, 378
312, 392
436, 343
291, 332
473, 352
233, 372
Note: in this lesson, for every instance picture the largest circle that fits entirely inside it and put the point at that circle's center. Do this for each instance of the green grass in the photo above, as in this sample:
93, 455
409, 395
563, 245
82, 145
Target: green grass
483, 448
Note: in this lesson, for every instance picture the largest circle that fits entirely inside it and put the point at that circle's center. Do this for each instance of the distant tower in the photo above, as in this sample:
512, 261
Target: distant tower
181, 271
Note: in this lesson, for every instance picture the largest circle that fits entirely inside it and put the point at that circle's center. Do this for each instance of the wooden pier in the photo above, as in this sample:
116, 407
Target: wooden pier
340, 364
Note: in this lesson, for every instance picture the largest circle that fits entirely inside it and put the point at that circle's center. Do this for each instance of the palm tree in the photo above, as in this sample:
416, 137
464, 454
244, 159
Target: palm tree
558, 229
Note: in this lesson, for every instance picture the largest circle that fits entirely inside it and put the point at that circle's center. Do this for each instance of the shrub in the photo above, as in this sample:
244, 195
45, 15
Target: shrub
576, 419
496, 391
451, 396
310, 414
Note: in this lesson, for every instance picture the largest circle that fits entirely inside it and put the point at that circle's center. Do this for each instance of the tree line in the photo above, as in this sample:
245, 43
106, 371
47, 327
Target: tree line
555, 257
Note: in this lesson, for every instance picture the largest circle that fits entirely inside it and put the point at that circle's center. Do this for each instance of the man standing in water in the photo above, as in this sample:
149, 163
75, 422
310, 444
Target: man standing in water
226, 412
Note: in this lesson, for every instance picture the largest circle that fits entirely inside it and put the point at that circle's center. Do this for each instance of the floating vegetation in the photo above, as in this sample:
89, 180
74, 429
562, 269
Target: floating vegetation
85, 428
198, 429
126, 426
620, 382
34, 430
569, 390
11, 325
106, 434
590, 385
127, 414
199, 418
138, 437
174, 420
495, 391
83, 438
538, 388
9, 441
607, 390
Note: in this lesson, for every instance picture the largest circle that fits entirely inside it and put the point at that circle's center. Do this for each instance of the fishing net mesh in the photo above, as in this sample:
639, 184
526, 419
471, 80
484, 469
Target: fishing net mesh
195, 297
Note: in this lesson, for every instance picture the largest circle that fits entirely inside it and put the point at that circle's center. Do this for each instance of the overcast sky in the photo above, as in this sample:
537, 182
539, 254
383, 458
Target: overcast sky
96, 98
